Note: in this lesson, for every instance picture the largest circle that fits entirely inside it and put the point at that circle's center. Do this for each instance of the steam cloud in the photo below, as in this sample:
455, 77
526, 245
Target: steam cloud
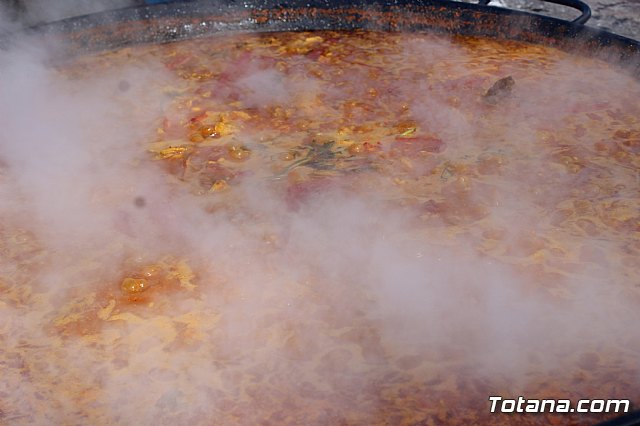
342, 271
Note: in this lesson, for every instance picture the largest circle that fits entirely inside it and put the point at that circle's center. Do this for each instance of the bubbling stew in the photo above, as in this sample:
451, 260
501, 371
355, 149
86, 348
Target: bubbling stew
414, 223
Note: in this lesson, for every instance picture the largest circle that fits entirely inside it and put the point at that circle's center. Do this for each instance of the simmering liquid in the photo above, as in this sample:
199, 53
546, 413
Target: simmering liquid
391, 228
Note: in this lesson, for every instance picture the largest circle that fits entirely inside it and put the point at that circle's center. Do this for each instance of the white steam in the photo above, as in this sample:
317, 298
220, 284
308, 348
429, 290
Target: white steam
335, 305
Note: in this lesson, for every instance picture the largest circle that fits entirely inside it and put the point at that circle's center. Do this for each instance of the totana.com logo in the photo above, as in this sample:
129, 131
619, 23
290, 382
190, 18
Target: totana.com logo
523, 405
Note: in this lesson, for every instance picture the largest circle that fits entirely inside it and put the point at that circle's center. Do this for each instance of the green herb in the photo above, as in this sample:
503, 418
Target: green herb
318, 156
409, 131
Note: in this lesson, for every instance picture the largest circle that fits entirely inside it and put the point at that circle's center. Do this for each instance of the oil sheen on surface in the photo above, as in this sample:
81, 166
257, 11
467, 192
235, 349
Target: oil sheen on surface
485, 152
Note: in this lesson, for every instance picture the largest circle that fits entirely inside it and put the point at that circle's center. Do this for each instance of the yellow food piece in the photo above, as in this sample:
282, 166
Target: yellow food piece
172, 152
356, 148
239, 153
134, 285
197, 137
219, 185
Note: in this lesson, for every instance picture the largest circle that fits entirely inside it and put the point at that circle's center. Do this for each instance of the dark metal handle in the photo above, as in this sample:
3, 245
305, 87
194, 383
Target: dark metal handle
584, 8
